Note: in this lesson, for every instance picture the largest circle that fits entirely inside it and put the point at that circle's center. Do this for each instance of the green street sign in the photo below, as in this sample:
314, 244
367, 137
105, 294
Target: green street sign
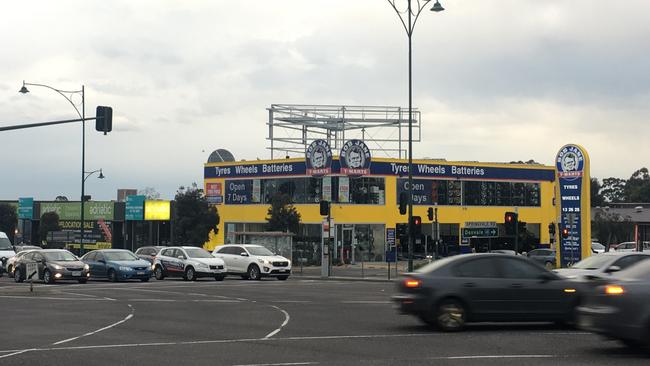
481, 232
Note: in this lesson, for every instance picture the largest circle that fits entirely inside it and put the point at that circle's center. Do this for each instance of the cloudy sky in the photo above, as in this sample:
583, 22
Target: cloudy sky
495, 81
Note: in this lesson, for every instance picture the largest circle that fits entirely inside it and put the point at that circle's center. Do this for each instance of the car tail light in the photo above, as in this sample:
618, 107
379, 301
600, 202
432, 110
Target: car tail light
412, 283
614, 290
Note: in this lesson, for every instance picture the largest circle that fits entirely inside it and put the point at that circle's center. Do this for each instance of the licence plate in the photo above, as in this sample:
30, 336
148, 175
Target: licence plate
76, 273
284, 270
141, 273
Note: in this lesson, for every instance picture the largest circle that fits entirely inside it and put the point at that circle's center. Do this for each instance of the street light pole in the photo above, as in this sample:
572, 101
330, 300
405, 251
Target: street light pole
67, 94
409, 26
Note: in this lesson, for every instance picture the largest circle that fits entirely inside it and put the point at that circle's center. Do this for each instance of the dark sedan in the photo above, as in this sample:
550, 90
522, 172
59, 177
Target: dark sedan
450, 292
53, 265
618, 308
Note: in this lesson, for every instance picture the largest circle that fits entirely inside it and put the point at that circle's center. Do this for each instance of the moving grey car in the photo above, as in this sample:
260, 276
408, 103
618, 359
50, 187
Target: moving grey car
601, 264
53, 265
618, 307
450, 292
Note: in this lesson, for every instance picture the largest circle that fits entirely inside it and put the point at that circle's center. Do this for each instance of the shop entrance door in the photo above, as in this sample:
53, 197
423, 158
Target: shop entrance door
347, 249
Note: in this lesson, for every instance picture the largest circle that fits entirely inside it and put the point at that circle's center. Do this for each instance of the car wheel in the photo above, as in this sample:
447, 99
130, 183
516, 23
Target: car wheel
18, 277
145, 279
190, 275
253, 272
450, 315
219, 277
112, 275
47, 277
83, 280
283, 278
158, 273
549, 265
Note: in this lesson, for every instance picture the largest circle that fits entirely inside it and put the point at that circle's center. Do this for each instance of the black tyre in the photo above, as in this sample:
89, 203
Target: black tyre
18, 276
112, 275
450, 315
253, 272
283, 278
145, 279
47, 277
82, 280
10, 273
219, 277
190, 274
158, 273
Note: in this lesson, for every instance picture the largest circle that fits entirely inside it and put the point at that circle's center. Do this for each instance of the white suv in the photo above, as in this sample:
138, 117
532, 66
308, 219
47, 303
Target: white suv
253, 261
189, 263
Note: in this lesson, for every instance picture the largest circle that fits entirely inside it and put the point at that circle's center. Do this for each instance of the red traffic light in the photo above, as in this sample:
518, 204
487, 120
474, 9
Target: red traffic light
417, 220
565, 233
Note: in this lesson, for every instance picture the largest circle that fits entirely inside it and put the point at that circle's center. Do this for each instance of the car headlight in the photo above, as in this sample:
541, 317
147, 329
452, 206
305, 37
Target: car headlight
264, 261
86, 267
202, 265
122, 268
57, 267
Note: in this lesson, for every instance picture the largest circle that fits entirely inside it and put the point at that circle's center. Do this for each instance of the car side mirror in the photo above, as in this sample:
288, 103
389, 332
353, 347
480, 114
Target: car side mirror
613, 269
244, 254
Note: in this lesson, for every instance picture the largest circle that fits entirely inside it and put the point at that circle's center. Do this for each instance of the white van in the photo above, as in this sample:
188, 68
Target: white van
6, 250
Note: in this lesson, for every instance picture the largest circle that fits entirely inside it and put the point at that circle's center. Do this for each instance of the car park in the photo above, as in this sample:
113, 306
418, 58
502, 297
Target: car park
545, 257
52, 265
451, 292
601, 265
253, 261
618, 307
189, 263
148, 253
117, 265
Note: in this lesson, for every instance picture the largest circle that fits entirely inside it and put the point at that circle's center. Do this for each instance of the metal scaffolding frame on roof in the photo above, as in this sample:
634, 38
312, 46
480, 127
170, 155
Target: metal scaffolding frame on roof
292, 127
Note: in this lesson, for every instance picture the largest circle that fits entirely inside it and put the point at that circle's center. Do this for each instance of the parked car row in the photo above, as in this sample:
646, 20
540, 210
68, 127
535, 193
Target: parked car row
188, 262
606, 293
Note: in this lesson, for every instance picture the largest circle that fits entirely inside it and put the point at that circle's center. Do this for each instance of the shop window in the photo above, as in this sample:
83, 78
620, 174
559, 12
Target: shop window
365, 191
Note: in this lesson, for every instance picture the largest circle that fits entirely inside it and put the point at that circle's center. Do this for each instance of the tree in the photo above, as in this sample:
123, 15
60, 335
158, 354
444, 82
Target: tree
194, 218
282, 215
613, 190
637, 188
8, 220
610, 227
150, 193
49, 222
596, 198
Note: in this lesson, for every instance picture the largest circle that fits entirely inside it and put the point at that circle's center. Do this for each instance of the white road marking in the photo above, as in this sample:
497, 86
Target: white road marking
36, 297
279, 364
171, 300
493, 357
98, 330
292, 301
286, 321
366, 302
17, 353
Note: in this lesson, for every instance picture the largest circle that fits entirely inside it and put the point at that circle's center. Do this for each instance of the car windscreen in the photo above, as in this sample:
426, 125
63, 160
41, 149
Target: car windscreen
198, 253
593, 262
259, 251
60, 256
120, 256
5, 244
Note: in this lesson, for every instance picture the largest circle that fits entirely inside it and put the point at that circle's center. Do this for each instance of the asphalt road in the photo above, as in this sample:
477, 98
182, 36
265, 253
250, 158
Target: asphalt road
269, 322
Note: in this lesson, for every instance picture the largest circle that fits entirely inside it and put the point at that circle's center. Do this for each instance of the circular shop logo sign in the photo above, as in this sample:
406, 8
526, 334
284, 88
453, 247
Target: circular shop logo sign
319, 158
570, 162
355, 158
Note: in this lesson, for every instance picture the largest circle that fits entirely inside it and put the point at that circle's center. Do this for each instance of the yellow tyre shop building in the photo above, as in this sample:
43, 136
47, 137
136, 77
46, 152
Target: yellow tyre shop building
364, 209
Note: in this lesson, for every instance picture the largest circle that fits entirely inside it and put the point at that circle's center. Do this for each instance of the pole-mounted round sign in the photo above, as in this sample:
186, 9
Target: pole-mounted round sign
355, 158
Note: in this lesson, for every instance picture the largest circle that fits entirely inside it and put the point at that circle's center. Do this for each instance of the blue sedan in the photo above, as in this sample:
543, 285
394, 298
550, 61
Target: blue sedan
117, 265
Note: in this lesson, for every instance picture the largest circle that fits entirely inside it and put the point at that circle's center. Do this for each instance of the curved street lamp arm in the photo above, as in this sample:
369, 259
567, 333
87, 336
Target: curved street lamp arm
416, 14
62, 94
91, 173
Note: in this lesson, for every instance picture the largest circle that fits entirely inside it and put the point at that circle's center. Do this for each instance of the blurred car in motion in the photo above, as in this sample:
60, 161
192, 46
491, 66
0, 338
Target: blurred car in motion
117, 265
450, 292
189, 263
253, 261
601, 264
53, 265
630, 246
504, 251
597, 248
545, 257
618, 307
148, 253
20, 251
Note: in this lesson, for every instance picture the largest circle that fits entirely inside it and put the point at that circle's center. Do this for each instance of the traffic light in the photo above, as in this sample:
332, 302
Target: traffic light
104, 119
403, 202
565, 232
324, 208
551, 229
430, 213
510, 222
416, 224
